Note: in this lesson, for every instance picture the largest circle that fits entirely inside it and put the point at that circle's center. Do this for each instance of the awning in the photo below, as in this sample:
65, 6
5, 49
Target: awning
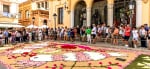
43, 26
32, 26
10, 25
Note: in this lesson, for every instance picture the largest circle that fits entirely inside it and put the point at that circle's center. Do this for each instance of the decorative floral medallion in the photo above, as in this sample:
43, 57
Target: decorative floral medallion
68, 56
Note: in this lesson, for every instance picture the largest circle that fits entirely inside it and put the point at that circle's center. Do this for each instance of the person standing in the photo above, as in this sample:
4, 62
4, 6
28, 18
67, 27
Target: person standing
33, 34
13, 36
78, 31
147, 29
6, 33
83, 34
62, 33
65, 33
148, 39
30, 35
72, 34
143, 34
127, 35
1, 37
108, 33
115, 36
88, 32
69, 34
24, 35
40, 34
94, 30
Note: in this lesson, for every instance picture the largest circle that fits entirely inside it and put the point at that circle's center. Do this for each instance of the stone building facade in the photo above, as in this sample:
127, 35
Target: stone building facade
8, 13
34, 9
87, 12
72, 13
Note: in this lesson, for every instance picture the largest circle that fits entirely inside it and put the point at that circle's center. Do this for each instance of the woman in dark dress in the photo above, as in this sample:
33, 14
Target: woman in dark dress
72, 35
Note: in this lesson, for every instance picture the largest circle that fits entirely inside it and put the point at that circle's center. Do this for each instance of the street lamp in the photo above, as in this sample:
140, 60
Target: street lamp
131, 8
55, 15
55, 32
33, 19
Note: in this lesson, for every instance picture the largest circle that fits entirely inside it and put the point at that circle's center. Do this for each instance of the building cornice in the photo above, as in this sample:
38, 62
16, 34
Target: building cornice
25, 3
10, 1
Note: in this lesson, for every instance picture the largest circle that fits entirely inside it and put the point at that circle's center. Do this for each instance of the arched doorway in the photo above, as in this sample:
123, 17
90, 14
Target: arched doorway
122, 13
80, 14
99, 12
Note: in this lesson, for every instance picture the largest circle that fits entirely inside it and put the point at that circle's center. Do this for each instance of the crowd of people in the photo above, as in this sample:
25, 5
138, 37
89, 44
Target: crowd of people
85, 34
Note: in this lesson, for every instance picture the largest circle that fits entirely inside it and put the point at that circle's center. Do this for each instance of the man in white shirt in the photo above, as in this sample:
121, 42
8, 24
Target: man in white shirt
94, 33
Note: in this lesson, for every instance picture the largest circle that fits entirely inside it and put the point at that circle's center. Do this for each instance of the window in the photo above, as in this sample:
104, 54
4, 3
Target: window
38, 5
20, 14
42, 4
60, 15
45, 22
46, 5
6, 10
27, 14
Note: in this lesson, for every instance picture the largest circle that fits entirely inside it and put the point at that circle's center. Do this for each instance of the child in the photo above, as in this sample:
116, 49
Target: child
88, 32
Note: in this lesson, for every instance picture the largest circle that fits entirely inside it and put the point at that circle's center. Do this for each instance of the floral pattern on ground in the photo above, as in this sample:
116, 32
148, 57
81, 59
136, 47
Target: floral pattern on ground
142, 62
51, 55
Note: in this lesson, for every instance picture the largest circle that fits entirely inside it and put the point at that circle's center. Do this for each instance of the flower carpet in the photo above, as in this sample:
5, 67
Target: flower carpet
51, 55
142, 62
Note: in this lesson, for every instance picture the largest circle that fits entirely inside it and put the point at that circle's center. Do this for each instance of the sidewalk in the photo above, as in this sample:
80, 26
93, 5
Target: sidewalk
98, 44
106, 45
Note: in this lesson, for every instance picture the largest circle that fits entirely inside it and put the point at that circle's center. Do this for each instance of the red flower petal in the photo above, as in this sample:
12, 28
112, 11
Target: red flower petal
89, 63
61, 68
117, 63
120, 65
26, 53
46, 66
100, 63
110, 63
109, 68
62, 64
9, 58
55, 65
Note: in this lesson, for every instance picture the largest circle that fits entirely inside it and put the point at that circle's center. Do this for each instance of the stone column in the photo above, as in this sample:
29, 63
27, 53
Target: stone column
47, 4
138, 13
110, 14
88, 16
72, 18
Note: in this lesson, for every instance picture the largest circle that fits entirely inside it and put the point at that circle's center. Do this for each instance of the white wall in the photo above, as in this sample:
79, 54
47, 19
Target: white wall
1, 8
13, 8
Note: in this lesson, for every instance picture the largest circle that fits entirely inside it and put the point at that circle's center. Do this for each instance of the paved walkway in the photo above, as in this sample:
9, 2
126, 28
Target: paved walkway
100, 44
106, 45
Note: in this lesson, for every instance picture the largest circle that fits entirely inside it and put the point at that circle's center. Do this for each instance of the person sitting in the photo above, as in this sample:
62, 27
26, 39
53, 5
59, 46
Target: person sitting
135, 37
